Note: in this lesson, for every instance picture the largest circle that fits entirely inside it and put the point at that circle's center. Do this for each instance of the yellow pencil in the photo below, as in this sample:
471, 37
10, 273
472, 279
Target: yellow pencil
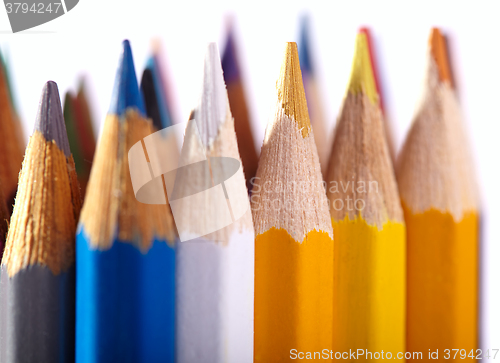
294, 238
369, 267
440, 203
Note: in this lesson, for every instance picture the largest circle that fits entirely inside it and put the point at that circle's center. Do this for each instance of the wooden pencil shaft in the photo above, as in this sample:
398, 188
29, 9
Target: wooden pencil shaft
294, 242
37, 284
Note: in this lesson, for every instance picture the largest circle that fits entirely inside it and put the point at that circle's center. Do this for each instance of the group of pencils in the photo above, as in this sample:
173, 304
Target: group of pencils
341, 246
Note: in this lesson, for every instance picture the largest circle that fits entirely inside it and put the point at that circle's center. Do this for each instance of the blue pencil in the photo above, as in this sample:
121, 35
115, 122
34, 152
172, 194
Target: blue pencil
125, 256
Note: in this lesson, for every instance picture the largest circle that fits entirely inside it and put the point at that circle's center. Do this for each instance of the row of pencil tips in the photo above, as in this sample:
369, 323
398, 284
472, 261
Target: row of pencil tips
150, 249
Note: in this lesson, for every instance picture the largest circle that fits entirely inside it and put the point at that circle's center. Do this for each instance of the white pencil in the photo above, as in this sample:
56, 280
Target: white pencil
215, 273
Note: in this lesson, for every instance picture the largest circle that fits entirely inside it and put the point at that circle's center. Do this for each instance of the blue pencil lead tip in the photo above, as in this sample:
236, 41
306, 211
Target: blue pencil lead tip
304, 51
126, 92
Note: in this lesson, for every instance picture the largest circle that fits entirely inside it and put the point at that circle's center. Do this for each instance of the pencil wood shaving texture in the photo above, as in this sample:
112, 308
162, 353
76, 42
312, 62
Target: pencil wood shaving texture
11, 148
107, 212
294, 237
31, 238
440, 201
215, 272
369, 264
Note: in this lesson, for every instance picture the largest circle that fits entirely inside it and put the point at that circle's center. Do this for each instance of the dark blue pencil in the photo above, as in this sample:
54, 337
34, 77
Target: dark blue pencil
154, 83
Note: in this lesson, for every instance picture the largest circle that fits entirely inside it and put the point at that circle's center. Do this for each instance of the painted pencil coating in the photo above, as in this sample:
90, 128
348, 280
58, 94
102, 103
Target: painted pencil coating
125, 254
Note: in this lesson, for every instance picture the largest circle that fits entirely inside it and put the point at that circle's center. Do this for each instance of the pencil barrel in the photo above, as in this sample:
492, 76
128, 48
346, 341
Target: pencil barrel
38, 316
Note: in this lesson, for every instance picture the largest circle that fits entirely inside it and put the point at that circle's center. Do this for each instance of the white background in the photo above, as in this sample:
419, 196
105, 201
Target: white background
87, 40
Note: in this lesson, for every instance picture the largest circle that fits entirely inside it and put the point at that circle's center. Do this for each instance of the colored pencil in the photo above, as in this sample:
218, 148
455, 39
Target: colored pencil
153, 68
4, 219
151, 99
75, 141
215, 273
239, 108
12, 146
19, 128
369, 268
440, 203
86, 133
125, 257
381, 99
37, 292
294, 237
314, 102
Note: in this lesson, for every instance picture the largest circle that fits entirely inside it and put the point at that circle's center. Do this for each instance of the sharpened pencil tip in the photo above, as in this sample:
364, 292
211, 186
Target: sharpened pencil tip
156, 79
362, 77
150, 98
126, 92
213, 107
50, 120
229, 59
373, 63
290, 89
439, 52
304, 51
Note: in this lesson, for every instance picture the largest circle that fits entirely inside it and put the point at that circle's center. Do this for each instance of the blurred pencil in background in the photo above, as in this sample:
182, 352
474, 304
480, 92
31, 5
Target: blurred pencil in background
12, 146
125, 252
440, 202
370, 258
294, 238
154, 97
37, 292
75, 141
313, 96
215, 273
154, 81
19, 128
4, 219
80, 134
85, 128
238, 104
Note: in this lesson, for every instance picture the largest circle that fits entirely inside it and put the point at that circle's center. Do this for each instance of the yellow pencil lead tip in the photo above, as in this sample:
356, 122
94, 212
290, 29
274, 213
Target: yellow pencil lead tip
362, 78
